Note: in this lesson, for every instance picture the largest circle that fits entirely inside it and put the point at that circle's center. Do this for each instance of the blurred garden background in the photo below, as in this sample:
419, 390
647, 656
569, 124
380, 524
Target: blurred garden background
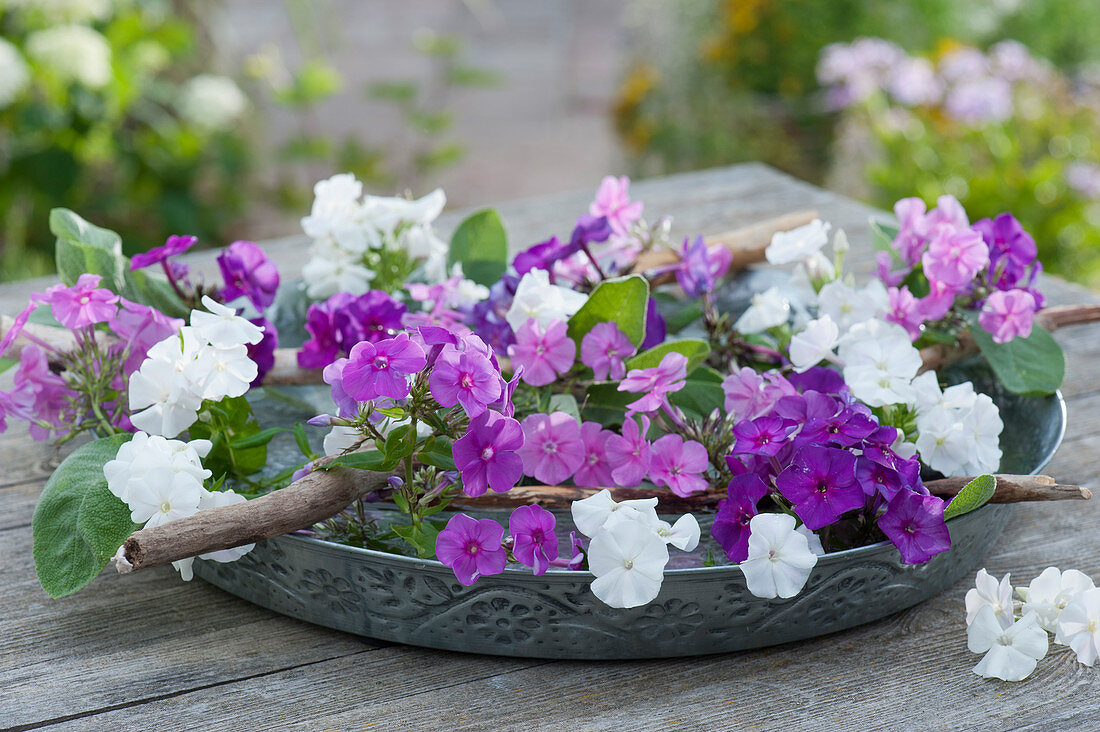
214, 117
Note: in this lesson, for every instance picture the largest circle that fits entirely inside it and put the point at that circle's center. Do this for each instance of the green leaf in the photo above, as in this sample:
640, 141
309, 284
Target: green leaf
620, 300
974, 494
604, 403
481, 246
260, 438
302, 439
7, 363
882, 236
702, 393
565, 403
364, 460
397, 445
78, 524
678, 312
437, 452
695, 350
1032, 366
422, 538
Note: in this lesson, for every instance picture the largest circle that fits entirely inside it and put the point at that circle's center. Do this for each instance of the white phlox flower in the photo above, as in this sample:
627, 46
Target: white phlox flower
325, 276
779, 559
848, 306
1079, 626
164, 495
129, 470
226, 371
628, 559
941, 442
222, 327
768, 309
1050, 593
169, 403
684, 534
812, 540
798, 244
341, 438
959, 428
879, 363
1012, 652
590, 514
991, 593
815, 342
537, 298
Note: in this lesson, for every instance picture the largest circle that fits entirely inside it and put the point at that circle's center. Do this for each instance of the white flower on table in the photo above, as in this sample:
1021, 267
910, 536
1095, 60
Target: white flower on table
779, 560
1079, 626
798, 244
1012, 652
537, 298
1050, 592
879, 363
988, 592
768, 310
816, 341
628, 559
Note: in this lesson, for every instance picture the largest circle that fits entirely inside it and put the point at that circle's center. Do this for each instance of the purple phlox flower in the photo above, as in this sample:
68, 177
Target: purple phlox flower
85, 303
656, 382
908, 470
655, 328
1012, 251
679, 464
915, 525
543, 355
955, 256
465, 377
576, 561
141, 327
589, 229
760, 436
821, 483
595, 470
603, 349
471, 548
913, 229
382, 369
434, 335
324, 345
1008, 314
487, 454
904, 309
552, 449
731, 522
981, 99
875, 478
817, 378
848, 427
534, 541
750, 395
540, 256
504, 404
889, 277
39, 394
629, 454
173, 247
372, 316
248, 272
301, 472
263, 353
613, 202
701, 267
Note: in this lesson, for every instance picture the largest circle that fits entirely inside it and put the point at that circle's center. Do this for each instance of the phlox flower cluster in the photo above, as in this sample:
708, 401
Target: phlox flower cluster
161, 480
343, 320
958, 429
1012, 634
347, 227
207, 360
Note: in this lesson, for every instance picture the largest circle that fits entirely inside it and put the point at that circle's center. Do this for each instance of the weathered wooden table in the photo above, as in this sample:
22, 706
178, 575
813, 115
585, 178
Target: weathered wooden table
149, 651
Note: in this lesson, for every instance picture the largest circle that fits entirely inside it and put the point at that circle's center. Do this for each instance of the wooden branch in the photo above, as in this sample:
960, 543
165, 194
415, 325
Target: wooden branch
316, 497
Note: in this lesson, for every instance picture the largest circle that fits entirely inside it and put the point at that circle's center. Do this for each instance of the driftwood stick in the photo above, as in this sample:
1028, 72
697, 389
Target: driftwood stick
314, 498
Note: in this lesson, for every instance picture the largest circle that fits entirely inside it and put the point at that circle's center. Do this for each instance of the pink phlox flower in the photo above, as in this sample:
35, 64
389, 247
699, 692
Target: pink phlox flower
1008, 314
948, 211
85, 303
679, 464
544, 355
465, 377
955, 256
912, 236
534, 541
750, 395
39, 394
576, 560
656, 382
603, 349
936, 304
552, 447
595, 471
333, 375
141, 327
904, 309
629, 454
382, 369
487, 454
471, 548
613, 202
173, 247
889, 277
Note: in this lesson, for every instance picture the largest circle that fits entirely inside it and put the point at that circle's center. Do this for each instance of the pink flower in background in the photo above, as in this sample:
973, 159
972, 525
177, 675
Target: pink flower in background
603, 349
1008, 314
471, 548
613, 202
595, 471
911, 239
656, 382
552, 447
629, 454
382, 369
467, 378
85, 303
535, 543
904, 309
487, 454
750, 394
544, 355
173, 247
679, 464
955, 256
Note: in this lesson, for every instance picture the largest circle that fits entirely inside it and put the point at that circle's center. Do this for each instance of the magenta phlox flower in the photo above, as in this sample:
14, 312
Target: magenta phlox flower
247, 271
487, 454
604, 348
890, 277
85, 303
817, 378
263, 352
173, 247
467, 378
543, 355
576, 546
750, 394
935, 305
877, 479
679, 464
540, 256
904, 309
701, 266
534, 541
731, 522
552, 448
761, 436
382, 369
821, 483
955, 256
372, 316
39, 395
915, 525
613, 202
472, 548
1008, 314
141, 327
504, 404
628, 454
595, 470
656, 382
324, 345
1012, 251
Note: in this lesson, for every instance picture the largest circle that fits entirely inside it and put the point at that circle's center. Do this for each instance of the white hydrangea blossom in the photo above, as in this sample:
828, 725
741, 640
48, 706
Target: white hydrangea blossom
15, 75
210, 102
73, 52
